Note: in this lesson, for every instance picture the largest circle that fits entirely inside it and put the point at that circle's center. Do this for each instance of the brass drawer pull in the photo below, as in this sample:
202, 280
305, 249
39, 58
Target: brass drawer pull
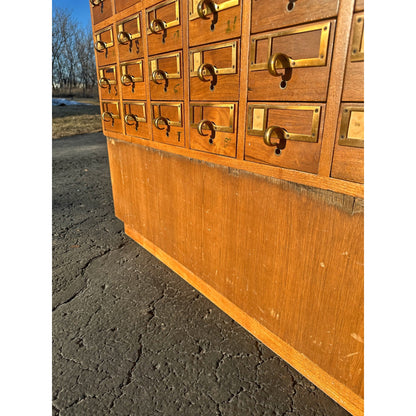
279, 61
165, 122
158, 25
96, 2
163, 74
107, 83
100, 46
212, 71
210, 125
124, 37
281, 134
134, 118
109, 114
210, 5
127, 79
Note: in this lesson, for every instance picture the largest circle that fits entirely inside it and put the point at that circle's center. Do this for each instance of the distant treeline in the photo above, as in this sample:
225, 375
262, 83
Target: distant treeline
73, 60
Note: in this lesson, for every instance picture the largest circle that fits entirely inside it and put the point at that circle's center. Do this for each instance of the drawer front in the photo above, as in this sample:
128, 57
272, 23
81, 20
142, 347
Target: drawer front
107, 82
348, 160
132, 80
213, 21
270, 15
100, 10
129, 38
136, 122
359, 5
291, 64
354, 71
285, 135
105, 47
214, 72
124, 4
214, 127
111, 117
166, 77
167, 123
163, 27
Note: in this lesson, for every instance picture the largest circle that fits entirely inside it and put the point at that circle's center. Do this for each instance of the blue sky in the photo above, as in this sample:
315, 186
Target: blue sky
80, 10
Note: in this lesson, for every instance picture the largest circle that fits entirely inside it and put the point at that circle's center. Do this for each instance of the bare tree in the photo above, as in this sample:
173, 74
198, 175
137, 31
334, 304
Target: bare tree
73, 60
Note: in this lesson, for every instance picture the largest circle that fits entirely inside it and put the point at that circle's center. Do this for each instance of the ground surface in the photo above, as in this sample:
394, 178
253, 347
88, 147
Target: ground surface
130, 337
69, 120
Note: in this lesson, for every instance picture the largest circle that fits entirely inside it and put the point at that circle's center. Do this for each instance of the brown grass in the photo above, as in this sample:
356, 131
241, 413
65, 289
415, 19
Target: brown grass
69, 120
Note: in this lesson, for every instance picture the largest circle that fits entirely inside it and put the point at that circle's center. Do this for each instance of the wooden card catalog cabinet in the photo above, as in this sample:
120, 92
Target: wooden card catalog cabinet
247, 117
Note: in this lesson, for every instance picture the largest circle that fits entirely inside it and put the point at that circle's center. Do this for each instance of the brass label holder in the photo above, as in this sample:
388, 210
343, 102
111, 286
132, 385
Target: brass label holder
319, 60
216, 127
258, 126
105, 70
160, 105
124, 71
167, 25
153, 66
197, 58
193, 7
357, 44
98, 37
346, 117
127, 105
132, 36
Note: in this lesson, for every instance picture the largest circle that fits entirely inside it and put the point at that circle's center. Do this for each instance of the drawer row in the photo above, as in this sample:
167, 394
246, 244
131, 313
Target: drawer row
220, 19
289, 65
287, 135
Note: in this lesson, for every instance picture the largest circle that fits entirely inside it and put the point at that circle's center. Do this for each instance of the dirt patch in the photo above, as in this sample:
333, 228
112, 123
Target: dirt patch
70, 120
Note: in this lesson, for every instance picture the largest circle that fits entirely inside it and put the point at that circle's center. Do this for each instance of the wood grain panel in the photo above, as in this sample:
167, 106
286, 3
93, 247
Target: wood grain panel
289, 256
267, 15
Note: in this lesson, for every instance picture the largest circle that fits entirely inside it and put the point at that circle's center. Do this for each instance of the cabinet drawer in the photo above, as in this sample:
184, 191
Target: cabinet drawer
124, 4
348, 160
214, 72
166, 77
107, 81
100, 10
167, 123
291, 64
104, 47
214, 127
213, 21
285, 135
354, 71
129, 38
163, 27
270, 15
132, 80
110, 115
136, 122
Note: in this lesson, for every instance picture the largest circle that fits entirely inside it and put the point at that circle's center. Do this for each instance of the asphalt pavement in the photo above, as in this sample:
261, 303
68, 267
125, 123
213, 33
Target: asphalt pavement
130, 337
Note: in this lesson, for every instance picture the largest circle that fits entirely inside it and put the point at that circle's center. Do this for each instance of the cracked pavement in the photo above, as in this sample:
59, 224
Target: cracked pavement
130, 337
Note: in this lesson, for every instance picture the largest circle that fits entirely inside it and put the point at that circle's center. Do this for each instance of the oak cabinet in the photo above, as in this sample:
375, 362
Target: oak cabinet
241, 123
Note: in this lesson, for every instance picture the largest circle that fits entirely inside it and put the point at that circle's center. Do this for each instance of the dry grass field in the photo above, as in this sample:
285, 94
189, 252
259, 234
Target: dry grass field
69, 120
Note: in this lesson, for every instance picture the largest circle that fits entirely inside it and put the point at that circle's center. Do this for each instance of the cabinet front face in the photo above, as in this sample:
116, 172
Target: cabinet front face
136, 122
214, 127
214, 72
163, 27
285, 135
291, 64
213, 21
133, 86
348, 160
129, 38
167, 123
105, 47
111, 117
270, 15
354, 71
107, 82
166, 77
100, 10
